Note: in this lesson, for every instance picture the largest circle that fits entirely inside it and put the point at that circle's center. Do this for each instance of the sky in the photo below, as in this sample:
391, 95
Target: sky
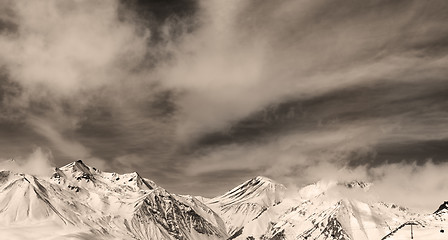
200, 95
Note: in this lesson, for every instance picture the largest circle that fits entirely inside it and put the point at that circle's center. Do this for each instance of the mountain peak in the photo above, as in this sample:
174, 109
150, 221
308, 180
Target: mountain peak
254, 187
263, 179
120, 206
136, 208
77, 170
356, 184
77, 166
442, 208
259, 190
247, 201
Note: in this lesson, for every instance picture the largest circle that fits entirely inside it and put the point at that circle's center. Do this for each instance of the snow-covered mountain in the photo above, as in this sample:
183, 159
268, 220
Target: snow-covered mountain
81, 202
324, 210
246, 203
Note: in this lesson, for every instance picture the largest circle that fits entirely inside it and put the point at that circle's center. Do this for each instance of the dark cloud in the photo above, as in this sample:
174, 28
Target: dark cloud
162, 10
414, 151
379, 101
199, 95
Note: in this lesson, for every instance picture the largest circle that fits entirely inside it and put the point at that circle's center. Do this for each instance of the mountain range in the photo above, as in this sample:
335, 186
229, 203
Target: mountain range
81, 202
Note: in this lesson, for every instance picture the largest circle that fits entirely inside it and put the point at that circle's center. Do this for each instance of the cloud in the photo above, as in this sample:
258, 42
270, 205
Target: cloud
100, 82
420, 186
86, 68
77, 46
246, 57
240, 57
38, 163
72, 148
407, 184
287, 154
301, 158
255, 56
64, 56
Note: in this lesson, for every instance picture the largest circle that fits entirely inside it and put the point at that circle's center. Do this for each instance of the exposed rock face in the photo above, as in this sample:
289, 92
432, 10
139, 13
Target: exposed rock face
81, 202
103, 205
247, 202
443, 208
320, 211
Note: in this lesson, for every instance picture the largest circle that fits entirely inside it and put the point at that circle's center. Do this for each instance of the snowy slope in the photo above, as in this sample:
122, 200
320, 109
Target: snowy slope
324, 210
247, 202
90, 204
81, 202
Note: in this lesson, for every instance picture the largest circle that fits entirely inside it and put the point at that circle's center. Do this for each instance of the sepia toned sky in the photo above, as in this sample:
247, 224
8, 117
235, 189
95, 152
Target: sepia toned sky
200, 95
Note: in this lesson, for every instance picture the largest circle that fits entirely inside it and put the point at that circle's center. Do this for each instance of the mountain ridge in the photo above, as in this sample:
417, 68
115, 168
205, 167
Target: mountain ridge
81, 202
102, 205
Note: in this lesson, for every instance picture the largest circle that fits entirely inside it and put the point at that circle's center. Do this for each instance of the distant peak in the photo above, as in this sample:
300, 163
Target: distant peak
78, 163
442, 207
356, 184
259, 181
77, 166
9, 165
264, 179
254, 187
81, 164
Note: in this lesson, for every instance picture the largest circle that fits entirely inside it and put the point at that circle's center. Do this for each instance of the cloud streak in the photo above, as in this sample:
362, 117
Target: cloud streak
231, 89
